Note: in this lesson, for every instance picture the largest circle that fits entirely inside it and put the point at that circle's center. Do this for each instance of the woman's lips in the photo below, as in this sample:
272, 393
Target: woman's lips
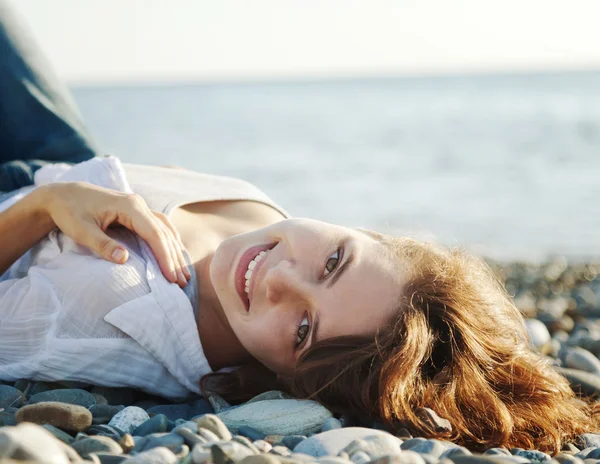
242, 267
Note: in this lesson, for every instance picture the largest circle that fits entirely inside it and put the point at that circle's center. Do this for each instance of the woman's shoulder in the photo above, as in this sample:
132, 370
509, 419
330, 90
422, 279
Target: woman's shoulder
167, 187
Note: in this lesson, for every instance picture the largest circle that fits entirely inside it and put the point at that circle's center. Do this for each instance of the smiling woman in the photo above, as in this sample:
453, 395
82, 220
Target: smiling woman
179, 283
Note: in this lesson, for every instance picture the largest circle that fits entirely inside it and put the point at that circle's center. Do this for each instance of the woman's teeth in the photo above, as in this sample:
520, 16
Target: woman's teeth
251, 267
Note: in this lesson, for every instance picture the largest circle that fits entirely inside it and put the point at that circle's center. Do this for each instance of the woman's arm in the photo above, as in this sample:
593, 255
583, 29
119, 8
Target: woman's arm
23, 225
83, 212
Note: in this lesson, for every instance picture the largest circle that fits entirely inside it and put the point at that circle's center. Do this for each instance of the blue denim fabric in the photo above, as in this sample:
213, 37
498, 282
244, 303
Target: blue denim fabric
39, 121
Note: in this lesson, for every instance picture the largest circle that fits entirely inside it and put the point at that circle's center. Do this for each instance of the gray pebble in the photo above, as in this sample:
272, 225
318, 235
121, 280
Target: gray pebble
533, 455
30, 442
590, 439
10, 397
189, 437
172, 441
214, 424
129, 419
209, 436
578, 358
218, 403
497, 452
338, 460
330, 443
58, 433
156, 424
104, 458
271, 395
455, 451
103, 413
229, 452
291, 441
280, 450
431, 447
251, 433
404, 457
69, 396
565, 458
97, 444
331, 424
262, 446
360, 457
246, 442
539, 337
592, 452
154, 456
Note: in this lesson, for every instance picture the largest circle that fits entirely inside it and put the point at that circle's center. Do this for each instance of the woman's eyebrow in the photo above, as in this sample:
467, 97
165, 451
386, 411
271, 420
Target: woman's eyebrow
341, 270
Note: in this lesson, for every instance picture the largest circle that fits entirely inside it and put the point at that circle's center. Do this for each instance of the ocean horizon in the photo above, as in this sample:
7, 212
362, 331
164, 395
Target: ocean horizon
506, 165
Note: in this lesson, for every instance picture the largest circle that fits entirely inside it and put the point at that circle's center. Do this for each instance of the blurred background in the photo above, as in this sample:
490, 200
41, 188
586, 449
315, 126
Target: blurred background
475, 122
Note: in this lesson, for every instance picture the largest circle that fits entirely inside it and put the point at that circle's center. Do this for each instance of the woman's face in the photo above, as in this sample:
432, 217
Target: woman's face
327, 279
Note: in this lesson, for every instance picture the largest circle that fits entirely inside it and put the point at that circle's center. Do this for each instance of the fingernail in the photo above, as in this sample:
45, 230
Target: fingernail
118, 254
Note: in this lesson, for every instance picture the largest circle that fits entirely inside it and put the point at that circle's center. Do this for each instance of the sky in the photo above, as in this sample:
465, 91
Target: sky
120, 41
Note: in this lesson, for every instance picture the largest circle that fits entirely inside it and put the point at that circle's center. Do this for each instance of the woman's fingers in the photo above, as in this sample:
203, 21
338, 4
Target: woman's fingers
94, 238
176, 254
138, 218
179, 246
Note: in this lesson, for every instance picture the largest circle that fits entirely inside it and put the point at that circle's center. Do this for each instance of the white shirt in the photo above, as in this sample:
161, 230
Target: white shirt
66, 314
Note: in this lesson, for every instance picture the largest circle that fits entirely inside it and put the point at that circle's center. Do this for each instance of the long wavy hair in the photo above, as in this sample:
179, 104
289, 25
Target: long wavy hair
457, 345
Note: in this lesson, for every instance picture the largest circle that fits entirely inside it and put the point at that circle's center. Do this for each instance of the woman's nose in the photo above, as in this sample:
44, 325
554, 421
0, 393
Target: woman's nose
282, 282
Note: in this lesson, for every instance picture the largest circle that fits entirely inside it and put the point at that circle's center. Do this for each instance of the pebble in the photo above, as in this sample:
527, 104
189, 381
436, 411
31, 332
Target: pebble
7, 417
539, 337
189, 437
97, 444
69, 396
172, 411
284, 416
58, 433
65, 416
246, 442
251, 433
156, 424
360, 457
581, 381
218, 404
172, 441
154, 456
431, 418
405, 457
431, 447
129, 419
262, 446
215, 425
291, 441
229, 452
533, 455
579, 358
207, 435
10, 397
30, 442
590, 439
331, 424
103, 413
333, 442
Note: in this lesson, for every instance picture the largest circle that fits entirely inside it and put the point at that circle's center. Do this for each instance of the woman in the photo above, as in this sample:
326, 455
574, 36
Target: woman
369, 325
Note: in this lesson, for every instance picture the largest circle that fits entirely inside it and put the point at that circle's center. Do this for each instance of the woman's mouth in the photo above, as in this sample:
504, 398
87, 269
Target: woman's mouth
247, 267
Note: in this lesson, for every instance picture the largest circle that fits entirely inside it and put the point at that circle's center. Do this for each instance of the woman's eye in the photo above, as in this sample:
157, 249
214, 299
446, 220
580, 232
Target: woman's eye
332, 263
303, 331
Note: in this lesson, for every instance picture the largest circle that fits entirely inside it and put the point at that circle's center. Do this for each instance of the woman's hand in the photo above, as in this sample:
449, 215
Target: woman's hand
84, 211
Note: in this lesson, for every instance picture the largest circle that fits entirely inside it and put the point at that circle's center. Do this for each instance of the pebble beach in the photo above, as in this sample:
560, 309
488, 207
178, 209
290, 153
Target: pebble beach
69, 422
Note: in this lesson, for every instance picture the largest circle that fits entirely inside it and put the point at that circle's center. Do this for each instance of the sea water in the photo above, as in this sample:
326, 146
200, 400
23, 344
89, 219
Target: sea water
505, 165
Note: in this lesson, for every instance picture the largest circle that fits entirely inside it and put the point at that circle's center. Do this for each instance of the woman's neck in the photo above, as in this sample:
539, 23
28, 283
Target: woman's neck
203, 226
